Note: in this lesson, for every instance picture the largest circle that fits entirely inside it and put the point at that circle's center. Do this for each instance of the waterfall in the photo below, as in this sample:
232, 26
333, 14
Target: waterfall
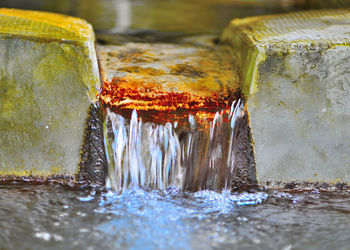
194, 156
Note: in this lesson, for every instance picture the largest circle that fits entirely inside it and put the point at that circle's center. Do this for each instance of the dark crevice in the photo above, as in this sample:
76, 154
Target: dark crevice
93, 166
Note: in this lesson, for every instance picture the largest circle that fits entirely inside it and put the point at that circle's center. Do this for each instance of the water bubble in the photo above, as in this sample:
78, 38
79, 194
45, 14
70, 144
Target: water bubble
43, 235
81, 214
86, 198
57, 237
84, 230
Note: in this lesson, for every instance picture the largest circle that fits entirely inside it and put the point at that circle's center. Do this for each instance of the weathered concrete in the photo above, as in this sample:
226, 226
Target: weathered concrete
295, 72
48, 80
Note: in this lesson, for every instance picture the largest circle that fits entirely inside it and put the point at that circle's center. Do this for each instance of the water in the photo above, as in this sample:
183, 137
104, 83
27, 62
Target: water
169, 212
39, 217
197, 155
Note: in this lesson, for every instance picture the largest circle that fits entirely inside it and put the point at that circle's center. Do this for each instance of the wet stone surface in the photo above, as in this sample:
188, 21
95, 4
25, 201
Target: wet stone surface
167, 82
93, 164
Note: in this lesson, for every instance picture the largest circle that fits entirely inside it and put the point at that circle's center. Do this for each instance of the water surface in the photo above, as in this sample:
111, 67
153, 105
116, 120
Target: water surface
38, 217
56, 217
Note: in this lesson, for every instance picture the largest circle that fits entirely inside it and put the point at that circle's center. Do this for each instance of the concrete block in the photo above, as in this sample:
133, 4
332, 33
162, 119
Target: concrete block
48, 80
295, 71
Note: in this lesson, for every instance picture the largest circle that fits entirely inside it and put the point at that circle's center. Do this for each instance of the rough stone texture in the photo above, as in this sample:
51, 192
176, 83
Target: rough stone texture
244, 173
48, 79
93, 165
295, 71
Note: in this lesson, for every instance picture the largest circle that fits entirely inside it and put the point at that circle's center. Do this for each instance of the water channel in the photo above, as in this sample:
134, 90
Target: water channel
163, 215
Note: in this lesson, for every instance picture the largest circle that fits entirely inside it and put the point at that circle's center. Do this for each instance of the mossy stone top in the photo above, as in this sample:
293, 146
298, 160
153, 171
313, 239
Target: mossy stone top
44, 25
318, 27
254, 38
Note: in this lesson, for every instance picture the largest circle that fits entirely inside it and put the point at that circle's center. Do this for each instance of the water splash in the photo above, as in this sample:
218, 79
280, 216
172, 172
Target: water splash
195, 156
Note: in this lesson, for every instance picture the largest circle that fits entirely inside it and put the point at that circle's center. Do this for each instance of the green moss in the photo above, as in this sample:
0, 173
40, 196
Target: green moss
44, 98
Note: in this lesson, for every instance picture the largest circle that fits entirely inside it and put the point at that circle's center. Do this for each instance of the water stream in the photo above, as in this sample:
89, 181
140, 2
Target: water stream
193, 156
170, 185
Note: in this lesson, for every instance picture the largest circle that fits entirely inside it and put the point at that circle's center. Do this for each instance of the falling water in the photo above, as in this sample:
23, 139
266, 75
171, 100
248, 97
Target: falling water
199, 155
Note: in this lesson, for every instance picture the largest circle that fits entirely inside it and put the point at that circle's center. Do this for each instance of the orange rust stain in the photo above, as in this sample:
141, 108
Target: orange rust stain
156, 104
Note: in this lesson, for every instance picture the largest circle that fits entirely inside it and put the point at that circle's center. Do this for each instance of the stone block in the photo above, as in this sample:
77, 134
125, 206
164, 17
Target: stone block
295, 74
48, 79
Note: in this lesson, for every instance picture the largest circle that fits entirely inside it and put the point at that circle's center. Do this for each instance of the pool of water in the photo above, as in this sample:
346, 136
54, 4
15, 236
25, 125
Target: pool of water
42, 216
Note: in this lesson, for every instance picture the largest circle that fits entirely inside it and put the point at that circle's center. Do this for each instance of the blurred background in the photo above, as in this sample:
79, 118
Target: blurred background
145, 18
